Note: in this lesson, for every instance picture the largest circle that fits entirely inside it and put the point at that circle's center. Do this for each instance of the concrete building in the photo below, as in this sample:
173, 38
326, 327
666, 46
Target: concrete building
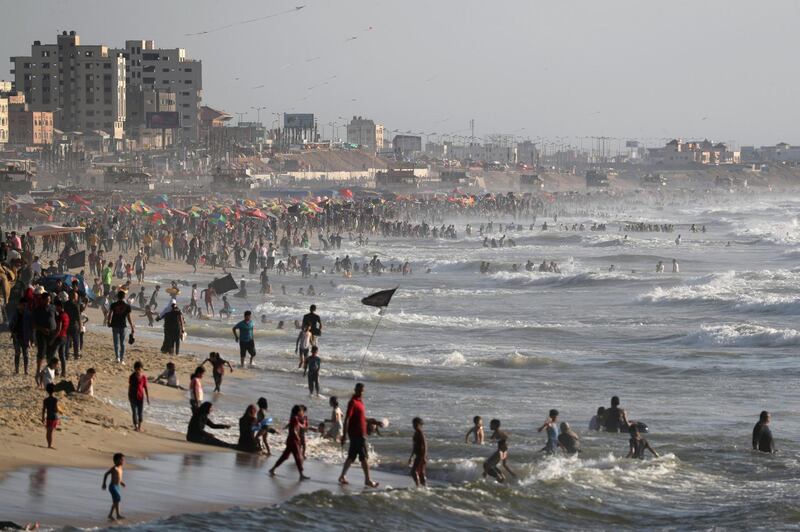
83, 86
407, 145
3, 120
29, 128
704, 152
780, 153
141, 128
168, 69
209, 120
5, 86
366, 133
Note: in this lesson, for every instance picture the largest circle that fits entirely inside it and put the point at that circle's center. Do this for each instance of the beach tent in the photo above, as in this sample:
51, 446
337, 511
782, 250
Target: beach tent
50, 230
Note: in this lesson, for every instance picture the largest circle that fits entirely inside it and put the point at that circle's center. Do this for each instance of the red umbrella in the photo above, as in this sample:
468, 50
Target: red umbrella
78, 199
346, 193
256, 213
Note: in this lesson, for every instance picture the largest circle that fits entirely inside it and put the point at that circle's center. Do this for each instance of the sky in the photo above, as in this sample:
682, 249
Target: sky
572, 69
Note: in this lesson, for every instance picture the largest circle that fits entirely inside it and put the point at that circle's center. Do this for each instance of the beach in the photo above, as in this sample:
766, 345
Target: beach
695, 355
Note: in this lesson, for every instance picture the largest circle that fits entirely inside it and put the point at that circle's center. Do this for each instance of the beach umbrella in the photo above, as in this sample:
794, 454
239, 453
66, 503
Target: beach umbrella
78, 199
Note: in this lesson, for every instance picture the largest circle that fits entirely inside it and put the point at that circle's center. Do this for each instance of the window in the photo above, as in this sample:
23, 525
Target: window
106, 113
164, 70
187, 81
26, 65
45, 65
149, 81
165, 82
46, 53
187, 69
150, 57
89, 54
107, 125
108, 66
90, 112
90, 124
107, 77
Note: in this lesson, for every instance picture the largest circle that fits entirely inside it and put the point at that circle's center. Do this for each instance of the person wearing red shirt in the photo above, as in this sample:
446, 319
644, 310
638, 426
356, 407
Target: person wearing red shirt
355, 427
294, 447
58, 343
137, 392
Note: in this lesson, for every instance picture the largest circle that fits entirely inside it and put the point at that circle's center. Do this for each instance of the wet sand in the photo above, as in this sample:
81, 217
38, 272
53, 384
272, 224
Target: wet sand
163, 485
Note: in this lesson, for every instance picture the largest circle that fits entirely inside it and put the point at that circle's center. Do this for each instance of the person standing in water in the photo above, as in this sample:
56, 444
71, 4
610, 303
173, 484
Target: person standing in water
551, 425
616, 419
638, 445
762, 435
113, 488
355, 427
419, 454
313, 364
314, 323
243, 333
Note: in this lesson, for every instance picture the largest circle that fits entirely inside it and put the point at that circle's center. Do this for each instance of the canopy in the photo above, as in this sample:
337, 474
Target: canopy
49, 230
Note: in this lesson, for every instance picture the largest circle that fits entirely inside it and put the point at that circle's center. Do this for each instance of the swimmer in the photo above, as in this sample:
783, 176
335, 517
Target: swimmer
568, 440
497, 433
552, 432
638, 445
598, 420
762, 435
491, 467
616, 419
477, 430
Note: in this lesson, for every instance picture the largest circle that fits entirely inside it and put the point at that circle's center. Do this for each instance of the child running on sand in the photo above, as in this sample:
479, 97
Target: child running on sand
50, 411
477, 430
491, 467
419, 454
114, 486
218, 364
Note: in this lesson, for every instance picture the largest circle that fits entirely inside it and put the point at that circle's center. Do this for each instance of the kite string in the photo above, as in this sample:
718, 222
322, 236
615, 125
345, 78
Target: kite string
366, 349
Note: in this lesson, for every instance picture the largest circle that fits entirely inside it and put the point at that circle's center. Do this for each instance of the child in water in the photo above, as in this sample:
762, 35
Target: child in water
477, 430
419, 454
497, 433
638, 445
491, 467
116, 482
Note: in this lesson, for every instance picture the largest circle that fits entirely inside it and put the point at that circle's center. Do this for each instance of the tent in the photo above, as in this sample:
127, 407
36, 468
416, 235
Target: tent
50, 230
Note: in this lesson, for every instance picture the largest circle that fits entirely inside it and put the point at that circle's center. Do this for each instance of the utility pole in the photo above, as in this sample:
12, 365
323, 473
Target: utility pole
472, 130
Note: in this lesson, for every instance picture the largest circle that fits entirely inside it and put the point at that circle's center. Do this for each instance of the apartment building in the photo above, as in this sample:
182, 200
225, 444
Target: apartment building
168, 69
83, 86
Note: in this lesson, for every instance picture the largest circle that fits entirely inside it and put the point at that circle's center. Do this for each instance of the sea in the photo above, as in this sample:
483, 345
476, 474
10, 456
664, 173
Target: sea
696, 355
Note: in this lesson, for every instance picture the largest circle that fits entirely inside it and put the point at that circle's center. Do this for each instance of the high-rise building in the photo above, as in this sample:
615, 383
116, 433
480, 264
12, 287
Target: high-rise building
83, 86
168, 69
366, 133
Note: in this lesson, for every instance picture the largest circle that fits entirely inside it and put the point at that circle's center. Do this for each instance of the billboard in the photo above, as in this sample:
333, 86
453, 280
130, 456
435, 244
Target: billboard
298, 121
632, 144
163, 120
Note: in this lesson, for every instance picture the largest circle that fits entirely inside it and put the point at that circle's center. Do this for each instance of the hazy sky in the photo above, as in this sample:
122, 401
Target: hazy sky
722, 69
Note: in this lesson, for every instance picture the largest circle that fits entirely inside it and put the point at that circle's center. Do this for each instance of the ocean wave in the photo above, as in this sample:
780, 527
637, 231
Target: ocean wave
743, 335
749, 291
560, 279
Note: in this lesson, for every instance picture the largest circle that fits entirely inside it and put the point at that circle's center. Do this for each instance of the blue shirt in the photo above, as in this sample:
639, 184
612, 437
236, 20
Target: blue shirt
552, 439
245, 331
